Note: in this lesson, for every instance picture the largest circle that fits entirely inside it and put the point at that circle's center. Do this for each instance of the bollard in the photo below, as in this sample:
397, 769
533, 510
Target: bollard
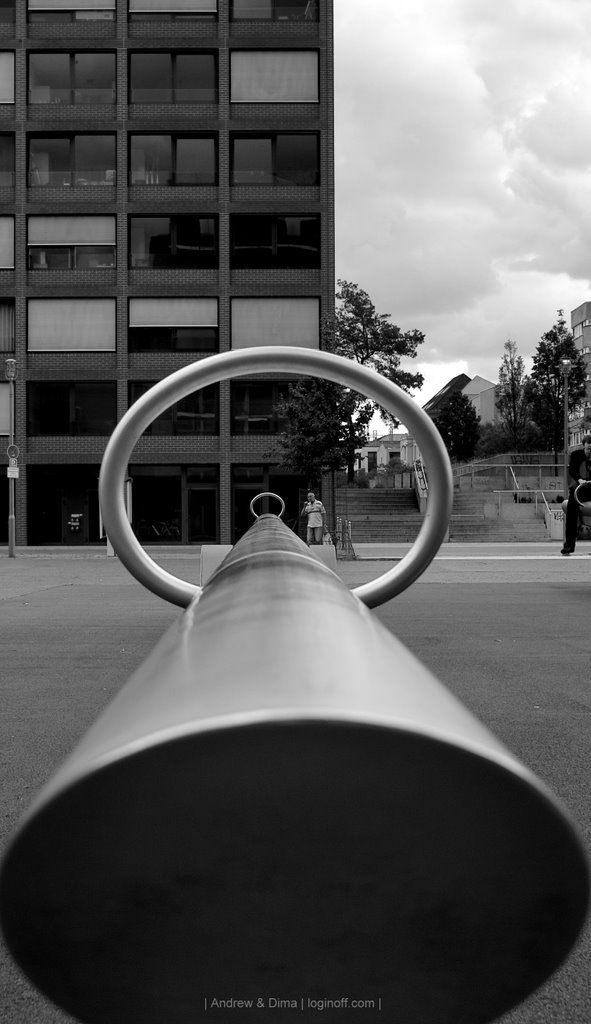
283, 807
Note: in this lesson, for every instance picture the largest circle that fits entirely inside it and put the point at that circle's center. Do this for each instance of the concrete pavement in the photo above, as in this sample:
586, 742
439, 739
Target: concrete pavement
505, 627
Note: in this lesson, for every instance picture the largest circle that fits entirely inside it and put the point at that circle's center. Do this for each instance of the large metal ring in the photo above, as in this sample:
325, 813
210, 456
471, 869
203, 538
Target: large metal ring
267, 494
271, 359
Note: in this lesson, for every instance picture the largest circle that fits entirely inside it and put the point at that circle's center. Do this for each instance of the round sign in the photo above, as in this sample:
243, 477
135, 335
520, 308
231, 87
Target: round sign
12, 451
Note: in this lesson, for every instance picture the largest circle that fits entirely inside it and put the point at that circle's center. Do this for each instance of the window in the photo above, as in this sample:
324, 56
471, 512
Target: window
63, 160
175, 242
253, 407
7, 76
6, 161
290, 159
268, 242
71, 243
6, 243
274, 76
71, 10
72, 77
276, 321
275, 10
172, 77
174, 10
172, 160
173, 325
71, 408
71, 325
196, 414
6, 325
7, 10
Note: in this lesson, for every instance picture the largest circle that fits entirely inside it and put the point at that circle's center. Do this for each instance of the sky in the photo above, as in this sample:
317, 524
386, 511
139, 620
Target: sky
463, 171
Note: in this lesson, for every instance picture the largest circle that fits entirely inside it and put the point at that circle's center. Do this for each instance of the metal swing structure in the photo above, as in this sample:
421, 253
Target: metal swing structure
283, 802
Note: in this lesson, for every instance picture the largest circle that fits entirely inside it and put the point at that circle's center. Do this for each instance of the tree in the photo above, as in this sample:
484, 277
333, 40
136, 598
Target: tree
358, 332
459, 426
513, 398
326, 427
327, 423
547, 383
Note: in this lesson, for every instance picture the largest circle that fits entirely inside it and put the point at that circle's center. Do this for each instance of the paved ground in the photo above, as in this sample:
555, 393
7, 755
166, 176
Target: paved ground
505, 627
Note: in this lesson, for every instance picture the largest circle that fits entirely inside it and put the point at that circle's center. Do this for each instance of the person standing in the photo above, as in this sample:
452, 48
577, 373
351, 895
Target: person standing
579, 471
316, 517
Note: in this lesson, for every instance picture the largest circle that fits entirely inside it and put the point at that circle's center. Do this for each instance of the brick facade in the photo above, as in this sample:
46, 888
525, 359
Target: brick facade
23, 120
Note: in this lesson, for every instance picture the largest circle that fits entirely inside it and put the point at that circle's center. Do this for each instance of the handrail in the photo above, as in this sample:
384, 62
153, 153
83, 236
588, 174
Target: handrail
293, 360
514, 477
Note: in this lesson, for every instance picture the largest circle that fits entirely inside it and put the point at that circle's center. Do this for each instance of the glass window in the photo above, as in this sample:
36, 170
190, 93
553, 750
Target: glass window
7, 10
6, 161
72, 160
172, 78
275, 160
7, 76
196, 414
172, 160
70, 242
274, 76
72, 78
6, 325
276, 321
173, 325
266, 241
71, 325
177, 10
71, 408
278, 10
175, 242
253, 407
6, 243
71, 10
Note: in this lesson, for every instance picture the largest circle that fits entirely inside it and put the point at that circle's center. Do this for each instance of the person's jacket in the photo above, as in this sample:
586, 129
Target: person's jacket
579, 467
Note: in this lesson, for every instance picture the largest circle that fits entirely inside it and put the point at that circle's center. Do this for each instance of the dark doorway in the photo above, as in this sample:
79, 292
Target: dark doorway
62, 504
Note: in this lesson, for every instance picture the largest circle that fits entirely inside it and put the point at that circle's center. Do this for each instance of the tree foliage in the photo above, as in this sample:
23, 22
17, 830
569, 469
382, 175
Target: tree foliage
326, 426
547, 383
459, 426
513, 399
327, 423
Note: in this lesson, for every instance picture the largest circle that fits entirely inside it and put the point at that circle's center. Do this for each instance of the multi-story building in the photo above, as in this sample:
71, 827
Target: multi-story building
580, 420
166, 192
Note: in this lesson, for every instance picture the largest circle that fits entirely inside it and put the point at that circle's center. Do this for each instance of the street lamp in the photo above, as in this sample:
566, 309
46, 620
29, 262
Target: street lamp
566, 365
12, 452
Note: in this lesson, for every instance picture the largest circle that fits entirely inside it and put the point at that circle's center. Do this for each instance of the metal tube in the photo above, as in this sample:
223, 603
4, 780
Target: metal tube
283, 803
11, 481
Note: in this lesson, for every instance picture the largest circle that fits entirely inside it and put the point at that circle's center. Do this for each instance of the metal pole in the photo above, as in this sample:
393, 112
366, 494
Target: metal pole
566, 365
11, 374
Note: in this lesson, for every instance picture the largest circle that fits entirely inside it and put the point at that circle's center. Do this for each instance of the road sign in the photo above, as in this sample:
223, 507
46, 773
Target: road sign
13, 451
12, 472
13, 462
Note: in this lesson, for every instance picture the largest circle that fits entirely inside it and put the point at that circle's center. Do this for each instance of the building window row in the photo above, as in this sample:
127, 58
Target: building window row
81, 159
160, 10
162, 324
83, 408
272, 241
165, 77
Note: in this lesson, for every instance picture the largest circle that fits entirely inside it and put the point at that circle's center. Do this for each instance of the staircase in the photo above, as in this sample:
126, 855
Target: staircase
475, 517
392, 516
380, 515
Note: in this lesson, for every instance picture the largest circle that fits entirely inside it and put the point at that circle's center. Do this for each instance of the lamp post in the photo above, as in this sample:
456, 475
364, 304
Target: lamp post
566, 365
12, 452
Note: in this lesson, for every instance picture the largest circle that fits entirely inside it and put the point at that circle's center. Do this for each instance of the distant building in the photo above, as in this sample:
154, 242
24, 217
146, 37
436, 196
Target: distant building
480, 391
379, 452
580, 420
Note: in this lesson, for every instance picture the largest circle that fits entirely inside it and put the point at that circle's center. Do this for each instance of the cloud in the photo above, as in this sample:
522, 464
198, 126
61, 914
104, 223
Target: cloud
463, 166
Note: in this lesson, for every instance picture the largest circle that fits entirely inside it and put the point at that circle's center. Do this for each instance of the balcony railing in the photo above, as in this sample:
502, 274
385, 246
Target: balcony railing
46, 94
205, 95
63, 179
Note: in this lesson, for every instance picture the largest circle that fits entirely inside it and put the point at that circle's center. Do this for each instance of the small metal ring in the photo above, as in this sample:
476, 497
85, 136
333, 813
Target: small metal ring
270, 359
267, 494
